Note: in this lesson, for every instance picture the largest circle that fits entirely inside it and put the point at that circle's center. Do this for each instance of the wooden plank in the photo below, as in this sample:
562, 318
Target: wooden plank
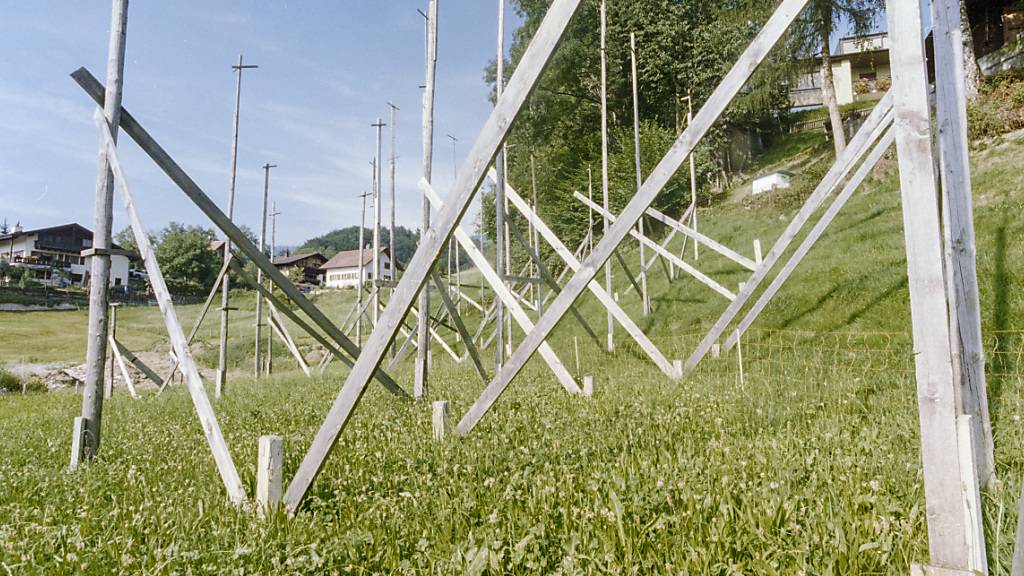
440, 419
944, 505
467, 338
204, 410
698, 237
844, 164
123, 368
664, 243
139, 364
923, 570
645, 296
971, 494
504, 294
965, 309
659, 177
604, 161
163, 160
679, 262
596, 289
819, 229
277, 325
466, 183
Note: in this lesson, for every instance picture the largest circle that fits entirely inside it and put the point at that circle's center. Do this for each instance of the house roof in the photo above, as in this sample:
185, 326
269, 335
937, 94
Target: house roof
350, 258
76, 225
284, 260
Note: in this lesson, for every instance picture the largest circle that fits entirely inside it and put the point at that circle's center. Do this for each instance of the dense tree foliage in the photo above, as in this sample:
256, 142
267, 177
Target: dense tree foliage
187, 263
348, 239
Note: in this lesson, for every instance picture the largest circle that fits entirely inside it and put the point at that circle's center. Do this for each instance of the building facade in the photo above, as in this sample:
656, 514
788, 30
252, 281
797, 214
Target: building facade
342, 271
310, 264
54, 257
860, 72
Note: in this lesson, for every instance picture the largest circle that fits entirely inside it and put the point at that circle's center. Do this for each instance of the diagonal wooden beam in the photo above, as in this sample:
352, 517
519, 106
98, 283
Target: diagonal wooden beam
163, 160
843, 165
656, 181
606, 299
282, 332
664, 244
698, 237
122, 367
679, 262
135, 361
204, 410
453, 313
815, 234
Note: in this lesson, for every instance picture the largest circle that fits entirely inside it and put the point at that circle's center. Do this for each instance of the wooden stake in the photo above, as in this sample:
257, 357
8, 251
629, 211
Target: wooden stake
222, 359
588, 386
268, 472
757, 252
440, 419
99, 295
108, 390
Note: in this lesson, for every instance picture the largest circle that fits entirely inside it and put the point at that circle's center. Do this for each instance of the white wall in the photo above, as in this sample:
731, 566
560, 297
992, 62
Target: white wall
119, 266
22, 246
349, 277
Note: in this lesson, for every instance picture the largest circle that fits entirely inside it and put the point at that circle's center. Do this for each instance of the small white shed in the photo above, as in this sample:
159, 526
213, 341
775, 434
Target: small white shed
775, 180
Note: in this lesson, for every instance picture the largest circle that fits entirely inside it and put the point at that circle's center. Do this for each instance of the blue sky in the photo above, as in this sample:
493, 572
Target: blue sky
327, 70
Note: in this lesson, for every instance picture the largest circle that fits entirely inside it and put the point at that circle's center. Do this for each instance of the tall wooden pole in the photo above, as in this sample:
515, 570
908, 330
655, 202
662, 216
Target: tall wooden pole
420, 384
273, 254
499, 196
590, 211
359, 280
535, 240
604, 165
639, 175
99, 295
693, 177
220, 380
375, 266
257, 364
948, 539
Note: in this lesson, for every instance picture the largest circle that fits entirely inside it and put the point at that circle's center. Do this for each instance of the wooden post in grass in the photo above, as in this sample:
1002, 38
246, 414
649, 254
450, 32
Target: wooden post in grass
268, 472
421, 378
221, 379
99, 295
499, 197
644, 296
739, 355
693, 175
440, 419
961, 265
273, 255
757, 251
604, 164
77, 439
108, 386
588, 386
948, 532
375, 233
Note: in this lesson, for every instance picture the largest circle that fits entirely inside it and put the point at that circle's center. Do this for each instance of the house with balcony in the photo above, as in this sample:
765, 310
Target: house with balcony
58, 256
309, 263
860, 72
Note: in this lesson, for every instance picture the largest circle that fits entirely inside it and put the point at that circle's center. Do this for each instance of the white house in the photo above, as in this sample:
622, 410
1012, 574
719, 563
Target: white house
54, 255
776, 180
342, 271
860, 72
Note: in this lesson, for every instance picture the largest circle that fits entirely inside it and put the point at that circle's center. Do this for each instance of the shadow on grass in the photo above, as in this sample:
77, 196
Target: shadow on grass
1002, 362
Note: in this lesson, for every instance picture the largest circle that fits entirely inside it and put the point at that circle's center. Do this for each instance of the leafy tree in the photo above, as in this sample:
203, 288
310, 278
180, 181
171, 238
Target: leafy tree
187, 263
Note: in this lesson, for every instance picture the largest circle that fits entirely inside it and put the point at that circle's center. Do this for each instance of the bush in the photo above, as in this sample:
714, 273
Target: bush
9, 382
999, 108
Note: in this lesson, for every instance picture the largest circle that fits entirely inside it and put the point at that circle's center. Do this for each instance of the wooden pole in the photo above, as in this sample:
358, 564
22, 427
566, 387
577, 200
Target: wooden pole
221, 378
268, 472
945, 512
273, 255
362, 273
535, 243
693, 176
440, 419
731, 84
257, 364
489, 140
645, 297
499, 195
604, 164
375, 265
99, 295
421, 377
108, 390
965, 307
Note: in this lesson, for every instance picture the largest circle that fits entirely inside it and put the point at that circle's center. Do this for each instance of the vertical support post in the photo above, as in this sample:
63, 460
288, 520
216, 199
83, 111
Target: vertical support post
421, 381
645, 297
693, 177
965, 314
362, 274
375, 265
268, 472
972, 496
535, 243
273, 254
77, 439
257, 365
758, 258
221, 376
440, 419
108, 383
499, 198
590, 211
739, 355
99, 295
588, 386
604, 164
947, 526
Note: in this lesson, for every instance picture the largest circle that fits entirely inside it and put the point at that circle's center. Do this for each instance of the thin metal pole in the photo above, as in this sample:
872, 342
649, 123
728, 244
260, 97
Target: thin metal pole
259, 273
221, 377
99, 295
420, 384
604, 165
639, 176
375, 267
273, 254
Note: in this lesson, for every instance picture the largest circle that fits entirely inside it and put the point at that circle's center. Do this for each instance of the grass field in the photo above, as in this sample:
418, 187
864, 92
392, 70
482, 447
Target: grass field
811, 466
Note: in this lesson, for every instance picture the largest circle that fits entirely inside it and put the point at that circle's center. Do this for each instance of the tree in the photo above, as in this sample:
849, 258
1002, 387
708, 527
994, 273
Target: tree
348, 239
814, 31
187, 263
